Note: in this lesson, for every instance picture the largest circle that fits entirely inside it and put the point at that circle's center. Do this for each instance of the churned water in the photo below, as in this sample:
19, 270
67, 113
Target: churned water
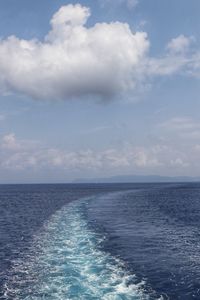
125, 241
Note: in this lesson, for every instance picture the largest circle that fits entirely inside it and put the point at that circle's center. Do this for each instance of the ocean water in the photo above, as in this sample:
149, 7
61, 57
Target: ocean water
100, 241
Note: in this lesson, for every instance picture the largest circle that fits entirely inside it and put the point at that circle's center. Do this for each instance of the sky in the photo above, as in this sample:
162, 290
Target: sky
99, 88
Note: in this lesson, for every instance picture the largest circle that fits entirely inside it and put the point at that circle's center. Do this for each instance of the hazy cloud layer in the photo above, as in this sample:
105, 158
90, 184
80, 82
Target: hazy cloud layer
21, 155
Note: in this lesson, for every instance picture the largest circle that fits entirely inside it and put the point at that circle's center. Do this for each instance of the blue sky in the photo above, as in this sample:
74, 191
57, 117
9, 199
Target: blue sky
98, 88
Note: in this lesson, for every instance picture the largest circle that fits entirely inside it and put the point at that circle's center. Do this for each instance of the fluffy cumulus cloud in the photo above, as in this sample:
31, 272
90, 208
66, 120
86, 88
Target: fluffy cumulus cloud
73, 60
77, 61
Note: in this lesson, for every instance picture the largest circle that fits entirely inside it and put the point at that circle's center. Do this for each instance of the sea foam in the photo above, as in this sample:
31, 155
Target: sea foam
67, 261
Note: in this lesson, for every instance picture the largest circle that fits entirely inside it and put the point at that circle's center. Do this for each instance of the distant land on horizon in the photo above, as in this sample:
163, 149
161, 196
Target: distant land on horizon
138, 179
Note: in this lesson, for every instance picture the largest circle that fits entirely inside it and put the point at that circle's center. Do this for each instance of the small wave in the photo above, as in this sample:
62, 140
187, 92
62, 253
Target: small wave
66, 261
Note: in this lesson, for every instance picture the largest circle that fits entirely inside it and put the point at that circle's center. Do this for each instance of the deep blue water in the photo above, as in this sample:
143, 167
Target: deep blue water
113, 241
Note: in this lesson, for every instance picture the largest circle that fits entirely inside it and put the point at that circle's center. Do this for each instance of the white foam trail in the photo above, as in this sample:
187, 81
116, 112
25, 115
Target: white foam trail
66, 262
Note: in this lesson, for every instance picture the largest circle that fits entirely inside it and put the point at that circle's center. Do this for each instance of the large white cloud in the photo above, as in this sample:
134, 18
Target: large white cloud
73, 60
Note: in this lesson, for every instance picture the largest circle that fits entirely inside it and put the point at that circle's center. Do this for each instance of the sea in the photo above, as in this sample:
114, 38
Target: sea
100, 241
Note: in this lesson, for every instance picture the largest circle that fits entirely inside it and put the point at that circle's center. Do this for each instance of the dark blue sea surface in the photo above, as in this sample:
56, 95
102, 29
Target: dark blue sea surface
100, 241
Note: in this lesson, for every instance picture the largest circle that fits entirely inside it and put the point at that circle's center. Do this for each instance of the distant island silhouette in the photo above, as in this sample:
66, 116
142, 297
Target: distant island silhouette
138, 179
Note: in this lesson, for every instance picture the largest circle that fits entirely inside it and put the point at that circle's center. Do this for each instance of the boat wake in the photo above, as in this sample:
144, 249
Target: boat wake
67, 261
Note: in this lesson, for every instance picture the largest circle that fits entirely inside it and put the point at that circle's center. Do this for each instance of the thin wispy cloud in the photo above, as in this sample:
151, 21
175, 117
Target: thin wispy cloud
180, 44
130, 4
182, 127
